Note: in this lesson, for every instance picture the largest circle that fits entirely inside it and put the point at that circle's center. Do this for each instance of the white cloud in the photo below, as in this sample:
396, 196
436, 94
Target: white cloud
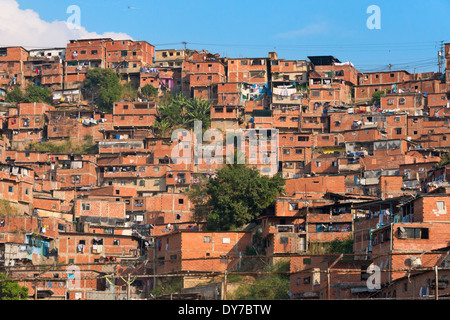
24, 27
312, 29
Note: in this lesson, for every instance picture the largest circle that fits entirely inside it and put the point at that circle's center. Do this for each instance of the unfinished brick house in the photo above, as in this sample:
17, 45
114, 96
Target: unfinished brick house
229, 112
328, 277
203, 77
12, 67
187, 251
134, 115
420, 283
46, 68
73, 171
126, 57
289, 81
17, 188
27, 123
404, 224
77, 124
369, 83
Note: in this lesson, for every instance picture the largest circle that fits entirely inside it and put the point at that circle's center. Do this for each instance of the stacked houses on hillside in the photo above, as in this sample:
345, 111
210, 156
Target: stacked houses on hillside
369, 171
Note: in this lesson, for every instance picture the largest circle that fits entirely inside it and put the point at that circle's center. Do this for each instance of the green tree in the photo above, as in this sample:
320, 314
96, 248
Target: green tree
267, 287
237, 195
103, 86
198, 110
32, 94
148, 91
35, 93
10, 290
161, 127
15, 95
376, 97
176, 111
129, 92
445, 159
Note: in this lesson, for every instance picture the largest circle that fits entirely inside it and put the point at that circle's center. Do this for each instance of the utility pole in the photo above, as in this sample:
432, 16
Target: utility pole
128, 287
225, 285
329, 276
441, 57
436, 279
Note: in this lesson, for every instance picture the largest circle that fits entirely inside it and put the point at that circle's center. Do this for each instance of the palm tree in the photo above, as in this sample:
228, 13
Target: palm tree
161, 127
198, 110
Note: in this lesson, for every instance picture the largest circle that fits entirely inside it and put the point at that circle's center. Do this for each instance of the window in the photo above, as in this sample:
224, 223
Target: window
413, 233
401, 101
85, 206
180, 201
244, 62
298, 151
398, 130
318, 164
94, 52
316, 93
225, 240
207, 239
441, 206
116, 242
283, 119
307, 280
10, 189
286, 151
284, 240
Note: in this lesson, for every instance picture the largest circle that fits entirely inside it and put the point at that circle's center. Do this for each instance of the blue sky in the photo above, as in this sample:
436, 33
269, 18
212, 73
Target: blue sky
409, 37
